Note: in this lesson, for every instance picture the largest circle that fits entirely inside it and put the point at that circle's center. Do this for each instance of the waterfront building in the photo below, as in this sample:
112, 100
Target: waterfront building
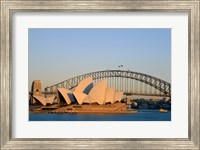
42, 100
85, 93
97, 94
38, 98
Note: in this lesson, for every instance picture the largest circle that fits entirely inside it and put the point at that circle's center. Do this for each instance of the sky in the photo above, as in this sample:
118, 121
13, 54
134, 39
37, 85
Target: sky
55, 55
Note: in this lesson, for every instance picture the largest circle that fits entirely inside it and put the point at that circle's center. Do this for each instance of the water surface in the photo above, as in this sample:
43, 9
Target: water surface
142, 115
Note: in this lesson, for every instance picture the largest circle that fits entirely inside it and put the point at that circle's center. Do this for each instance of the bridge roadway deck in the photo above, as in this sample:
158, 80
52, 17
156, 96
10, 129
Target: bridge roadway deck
125, 93
146, 94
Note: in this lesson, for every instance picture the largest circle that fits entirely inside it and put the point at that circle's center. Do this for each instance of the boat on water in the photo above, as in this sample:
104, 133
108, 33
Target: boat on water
163, 110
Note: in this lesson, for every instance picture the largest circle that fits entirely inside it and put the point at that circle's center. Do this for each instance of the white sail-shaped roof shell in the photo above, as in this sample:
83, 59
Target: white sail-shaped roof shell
50, 99
80, 97
41, 99
118, 96
78, 92
84, 84
97, 93
64, 92
109, 95
87, 100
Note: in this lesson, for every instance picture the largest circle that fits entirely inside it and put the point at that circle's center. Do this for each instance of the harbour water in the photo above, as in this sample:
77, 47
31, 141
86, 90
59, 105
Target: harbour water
142, 115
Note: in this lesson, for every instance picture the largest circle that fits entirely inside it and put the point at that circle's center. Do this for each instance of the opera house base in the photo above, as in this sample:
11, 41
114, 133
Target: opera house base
116, 108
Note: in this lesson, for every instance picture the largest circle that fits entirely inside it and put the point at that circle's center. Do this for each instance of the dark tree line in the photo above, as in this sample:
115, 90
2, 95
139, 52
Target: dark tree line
151, 104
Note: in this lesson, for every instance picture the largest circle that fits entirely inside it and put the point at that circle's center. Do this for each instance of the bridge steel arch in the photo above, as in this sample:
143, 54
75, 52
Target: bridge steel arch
152, 81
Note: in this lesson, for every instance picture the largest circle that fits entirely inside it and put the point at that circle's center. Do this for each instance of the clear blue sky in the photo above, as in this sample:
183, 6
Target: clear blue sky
58, 54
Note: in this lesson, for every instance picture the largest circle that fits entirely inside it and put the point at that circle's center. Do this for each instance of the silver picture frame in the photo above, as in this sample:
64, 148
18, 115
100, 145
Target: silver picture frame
9, 7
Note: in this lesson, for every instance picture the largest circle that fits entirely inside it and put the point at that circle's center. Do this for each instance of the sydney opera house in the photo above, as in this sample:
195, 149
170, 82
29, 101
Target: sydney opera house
86, 97
84, 93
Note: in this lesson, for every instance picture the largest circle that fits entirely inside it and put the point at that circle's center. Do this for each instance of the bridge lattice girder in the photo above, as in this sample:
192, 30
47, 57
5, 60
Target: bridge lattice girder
157, 83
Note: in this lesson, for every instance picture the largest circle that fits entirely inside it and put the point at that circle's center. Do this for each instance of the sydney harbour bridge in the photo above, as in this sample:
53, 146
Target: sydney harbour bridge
129, 82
